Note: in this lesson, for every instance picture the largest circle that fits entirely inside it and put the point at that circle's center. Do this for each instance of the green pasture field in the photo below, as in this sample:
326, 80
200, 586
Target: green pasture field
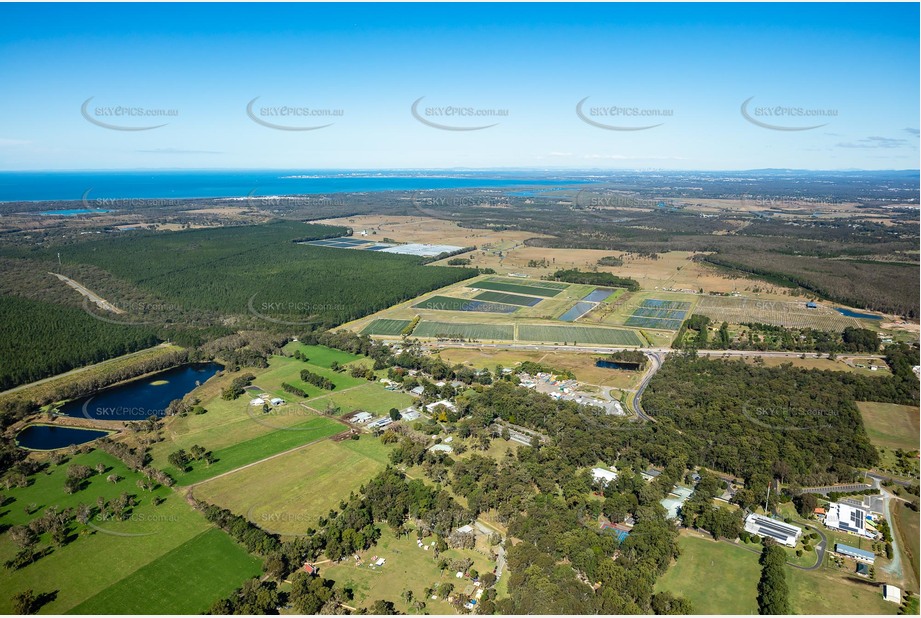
101, 554
288, 494
372, 397
321, 355
890, 425
407, 566
254, 449
187, 580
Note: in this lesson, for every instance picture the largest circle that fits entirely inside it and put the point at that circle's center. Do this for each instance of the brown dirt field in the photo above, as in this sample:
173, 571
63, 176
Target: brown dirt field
428, 230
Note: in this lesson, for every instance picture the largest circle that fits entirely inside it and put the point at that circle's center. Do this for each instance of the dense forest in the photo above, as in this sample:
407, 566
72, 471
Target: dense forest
596, 278
695, 333
41, 339
186, 287
749, 419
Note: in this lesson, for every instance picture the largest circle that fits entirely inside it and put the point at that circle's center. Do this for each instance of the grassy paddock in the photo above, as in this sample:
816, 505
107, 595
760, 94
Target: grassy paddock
252, 450
385, 327
288, 494
891, 425
94, 560
407, 567
186, 580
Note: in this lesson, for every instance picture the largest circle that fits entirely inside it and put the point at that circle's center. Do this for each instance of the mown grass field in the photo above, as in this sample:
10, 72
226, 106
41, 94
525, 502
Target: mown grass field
99, 556
321, 355
906, 522
187, 580
372, 397
716, 577
385, 327
502, 332
577, 334
891, 425
407, 567
287, 495
722, 578
254, 449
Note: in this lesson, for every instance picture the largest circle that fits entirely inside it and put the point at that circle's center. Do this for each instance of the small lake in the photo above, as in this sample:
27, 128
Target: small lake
72, 212
50, 437
854, 314
615, 365
578, 310
143, 398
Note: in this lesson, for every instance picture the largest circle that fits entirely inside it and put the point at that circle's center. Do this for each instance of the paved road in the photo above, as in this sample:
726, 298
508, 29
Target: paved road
655, 362
882, 477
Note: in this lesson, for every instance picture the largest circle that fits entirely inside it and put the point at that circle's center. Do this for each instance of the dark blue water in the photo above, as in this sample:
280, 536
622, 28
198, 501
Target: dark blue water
598, 295
577, 311
90, 186
141, 399
854, 314
614, 365
49, 437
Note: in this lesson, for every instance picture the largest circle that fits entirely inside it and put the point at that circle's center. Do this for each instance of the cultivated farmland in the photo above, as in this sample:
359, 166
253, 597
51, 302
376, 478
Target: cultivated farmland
385, 327
504, 332
517, 288
511, 299
447, 303
778, 313
577, 334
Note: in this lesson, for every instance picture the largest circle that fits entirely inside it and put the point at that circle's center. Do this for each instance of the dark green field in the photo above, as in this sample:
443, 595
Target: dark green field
511, 299
517, 288
187, 580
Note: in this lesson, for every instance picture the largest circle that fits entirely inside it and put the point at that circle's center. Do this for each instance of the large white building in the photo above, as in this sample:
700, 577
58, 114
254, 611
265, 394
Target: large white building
603, 475
847, 518
781, 532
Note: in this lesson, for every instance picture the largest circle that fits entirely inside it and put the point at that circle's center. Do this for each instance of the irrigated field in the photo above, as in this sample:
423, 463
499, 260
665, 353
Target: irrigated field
511, 299
287, 494
577, 334
385, 327
518, 288
502, 332
447, 303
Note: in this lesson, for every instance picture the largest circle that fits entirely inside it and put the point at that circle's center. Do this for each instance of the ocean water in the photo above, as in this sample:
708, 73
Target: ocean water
93, 185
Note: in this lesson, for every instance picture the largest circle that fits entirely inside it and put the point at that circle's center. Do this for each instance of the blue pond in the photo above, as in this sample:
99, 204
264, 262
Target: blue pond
854, 314
50, 437
596, 296
140, 399
615, 365
578, 310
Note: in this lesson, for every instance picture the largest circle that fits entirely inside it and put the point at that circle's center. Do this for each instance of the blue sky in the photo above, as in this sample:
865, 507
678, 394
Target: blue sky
853, 68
